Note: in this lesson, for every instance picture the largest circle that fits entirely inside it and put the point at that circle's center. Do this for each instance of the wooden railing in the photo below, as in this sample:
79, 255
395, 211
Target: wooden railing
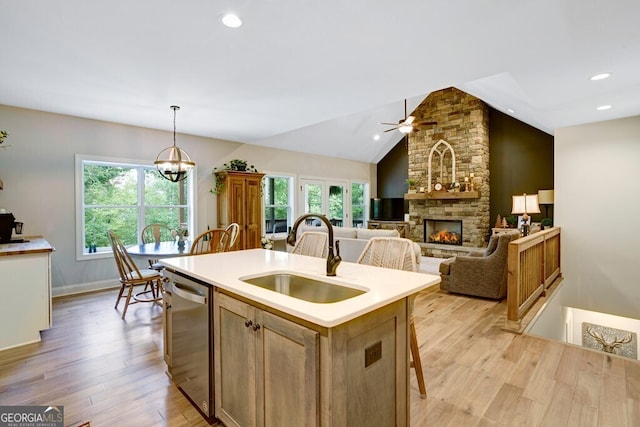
533, 265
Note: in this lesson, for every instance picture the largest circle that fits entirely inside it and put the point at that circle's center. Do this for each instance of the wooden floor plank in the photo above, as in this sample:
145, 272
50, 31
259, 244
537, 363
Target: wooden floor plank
111, 372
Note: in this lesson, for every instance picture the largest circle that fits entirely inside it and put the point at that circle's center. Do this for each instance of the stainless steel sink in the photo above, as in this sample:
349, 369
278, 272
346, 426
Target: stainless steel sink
305, 288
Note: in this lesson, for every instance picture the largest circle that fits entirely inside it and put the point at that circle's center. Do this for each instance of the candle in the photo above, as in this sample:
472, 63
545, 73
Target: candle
466, 179
471, 175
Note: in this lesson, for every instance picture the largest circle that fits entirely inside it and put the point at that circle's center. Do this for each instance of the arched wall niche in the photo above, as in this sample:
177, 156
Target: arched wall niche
443, 165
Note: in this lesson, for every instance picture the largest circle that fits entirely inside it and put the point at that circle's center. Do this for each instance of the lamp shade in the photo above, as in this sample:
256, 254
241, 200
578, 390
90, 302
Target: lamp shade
545, 197
525, 204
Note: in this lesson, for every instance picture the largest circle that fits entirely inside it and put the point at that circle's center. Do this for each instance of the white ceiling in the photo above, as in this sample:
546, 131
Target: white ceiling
317, 76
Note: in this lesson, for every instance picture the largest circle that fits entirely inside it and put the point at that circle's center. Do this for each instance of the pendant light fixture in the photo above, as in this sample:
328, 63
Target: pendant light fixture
174, 163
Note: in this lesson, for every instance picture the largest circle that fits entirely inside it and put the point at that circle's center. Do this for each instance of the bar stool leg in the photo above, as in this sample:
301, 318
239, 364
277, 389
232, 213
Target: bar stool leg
416, 363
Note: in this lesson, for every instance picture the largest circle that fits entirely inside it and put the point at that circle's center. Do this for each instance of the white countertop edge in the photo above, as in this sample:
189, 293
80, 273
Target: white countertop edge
224, 271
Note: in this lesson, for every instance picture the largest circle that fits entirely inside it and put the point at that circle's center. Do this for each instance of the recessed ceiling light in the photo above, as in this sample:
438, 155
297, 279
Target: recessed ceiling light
231, 20
603, 107
376, 137
600, 76
509, 110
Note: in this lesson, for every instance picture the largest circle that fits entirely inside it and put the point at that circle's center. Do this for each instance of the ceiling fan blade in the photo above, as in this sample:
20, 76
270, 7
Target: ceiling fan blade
389, 130
389, 124
425, 123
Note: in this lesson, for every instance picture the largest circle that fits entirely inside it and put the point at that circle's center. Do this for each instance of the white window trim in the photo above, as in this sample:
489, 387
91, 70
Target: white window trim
79, 200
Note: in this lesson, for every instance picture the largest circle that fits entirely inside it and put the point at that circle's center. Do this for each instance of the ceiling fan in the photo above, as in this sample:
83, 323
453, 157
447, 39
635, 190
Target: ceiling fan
408, 124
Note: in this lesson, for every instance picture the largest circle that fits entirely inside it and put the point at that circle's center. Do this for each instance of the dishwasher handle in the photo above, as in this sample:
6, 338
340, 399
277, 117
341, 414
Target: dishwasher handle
189, 293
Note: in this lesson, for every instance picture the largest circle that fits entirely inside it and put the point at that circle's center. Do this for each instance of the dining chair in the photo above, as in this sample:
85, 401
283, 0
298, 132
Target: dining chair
131, 276
156, 233
312, 243
400, 254
213, 240
234, 232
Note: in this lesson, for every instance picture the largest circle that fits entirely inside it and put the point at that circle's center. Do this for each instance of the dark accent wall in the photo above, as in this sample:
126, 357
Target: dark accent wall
392, 172
520, 161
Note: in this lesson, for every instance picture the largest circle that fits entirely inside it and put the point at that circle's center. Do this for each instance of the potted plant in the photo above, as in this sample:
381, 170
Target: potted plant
546, 223
412, 185
233, 165
238, 165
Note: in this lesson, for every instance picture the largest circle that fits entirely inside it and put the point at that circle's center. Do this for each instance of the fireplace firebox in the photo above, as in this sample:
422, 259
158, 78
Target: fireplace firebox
443, 231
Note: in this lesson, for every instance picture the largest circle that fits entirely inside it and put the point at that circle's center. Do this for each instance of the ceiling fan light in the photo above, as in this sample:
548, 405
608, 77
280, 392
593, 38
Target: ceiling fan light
405, 128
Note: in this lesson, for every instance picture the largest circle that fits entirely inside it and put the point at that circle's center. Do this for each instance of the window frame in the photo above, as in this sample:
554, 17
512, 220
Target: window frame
290, 200
365, 200
80, 161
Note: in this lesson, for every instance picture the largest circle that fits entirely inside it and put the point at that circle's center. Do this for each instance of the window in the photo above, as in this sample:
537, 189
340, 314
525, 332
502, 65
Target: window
359, 198
124, 197
277, 203
332, 198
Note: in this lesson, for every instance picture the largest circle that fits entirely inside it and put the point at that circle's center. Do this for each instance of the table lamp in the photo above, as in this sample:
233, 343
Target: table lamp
545, 197
524, 205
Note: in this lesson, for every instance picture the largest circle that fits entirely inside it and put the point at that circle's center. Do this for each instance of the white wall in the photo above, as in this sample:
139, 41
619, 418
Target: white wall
597, 202
38, 175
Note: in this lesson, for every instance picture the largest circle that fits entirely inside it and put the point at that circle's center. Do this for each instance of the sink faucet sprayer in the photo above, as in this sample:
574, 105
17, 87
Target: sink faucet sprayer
333, 260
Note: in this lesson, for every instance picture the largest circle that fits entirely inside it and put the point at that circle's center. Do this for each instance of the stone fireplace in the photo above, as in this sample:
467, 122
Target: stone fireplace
454, 149
443, 231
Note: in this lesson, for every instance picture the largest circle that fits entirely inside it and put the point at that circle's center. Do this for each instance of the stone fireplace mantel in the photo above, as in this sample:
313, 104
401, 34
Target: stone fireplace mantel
443, 195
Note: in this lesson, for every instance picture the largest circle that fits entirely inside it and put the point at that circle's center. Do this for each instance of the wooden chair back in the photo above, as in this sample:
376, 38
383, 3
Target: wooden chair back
211, 241
156, 233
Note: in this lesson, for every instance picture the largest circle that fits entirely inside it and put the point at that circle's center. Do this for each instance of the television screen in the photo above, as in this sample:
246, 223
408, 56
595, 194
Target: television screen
387, 209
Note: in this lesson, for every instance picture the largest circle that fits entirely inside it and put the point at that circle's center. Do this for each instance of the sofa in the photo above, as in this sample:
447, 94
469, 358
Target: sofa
479, 273
352, 239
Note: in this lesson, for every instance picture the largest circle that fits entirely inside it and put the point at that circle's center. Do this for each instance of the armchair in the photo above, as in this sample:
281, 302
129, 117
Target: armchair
479, 273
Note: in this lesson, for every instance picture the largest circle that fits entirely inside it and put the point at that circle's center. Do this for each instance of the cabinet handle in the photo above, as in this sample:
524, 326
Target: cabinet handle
248, 323
256, 326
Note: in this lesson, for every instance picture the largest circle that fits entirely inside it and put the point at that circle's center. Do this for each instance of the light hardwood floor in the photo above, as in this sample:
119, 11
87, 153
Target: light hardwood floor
111, 372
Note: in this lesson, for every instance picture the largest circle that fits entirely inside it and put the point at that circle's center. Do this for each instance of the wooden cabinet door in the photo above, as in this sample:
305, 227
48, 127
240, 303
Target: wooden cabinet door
237, 213
241, 202
287, 357
253, 200
267, 368
235, 400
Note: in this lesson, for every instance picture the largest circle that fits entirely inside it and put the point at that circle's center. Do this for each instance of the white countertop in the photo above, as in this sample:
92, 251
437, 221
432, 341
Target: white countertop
382, 285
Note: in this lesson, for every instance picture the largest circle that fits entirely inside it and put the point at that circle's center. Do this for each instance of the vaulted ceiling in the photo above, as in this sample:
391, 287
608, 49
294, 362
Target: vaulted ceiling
317, 76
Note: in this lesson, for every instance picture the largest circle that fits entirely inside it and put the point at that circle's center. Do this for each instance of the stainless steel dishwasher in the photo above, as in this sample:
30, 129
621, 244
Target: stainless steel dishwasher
192, 335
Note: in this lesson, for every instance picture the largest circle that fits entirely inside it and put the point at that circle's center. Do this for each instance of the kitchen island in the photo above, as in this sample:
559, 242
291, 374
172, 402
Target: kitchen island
25, 282
281, 360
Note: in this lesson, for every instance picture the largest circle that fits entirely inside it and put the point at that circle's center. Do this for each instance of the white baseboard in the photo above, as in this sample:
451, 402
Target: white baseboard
80, 288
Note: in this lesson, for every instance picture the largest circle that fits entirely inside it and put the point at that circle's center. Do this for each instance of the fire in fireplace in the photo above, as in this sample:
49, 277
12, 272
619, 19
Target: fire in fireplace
443, 231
